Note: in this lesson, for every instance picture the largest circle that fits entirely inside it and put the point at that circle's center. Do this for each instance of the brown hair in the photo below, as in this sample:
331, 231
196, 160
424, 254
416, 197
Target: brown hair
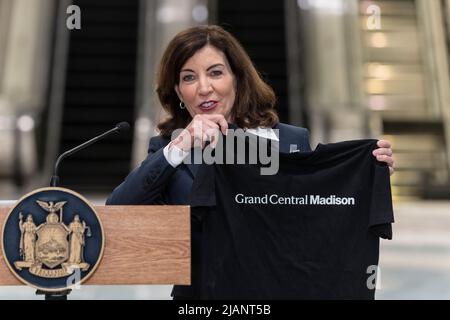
255, 100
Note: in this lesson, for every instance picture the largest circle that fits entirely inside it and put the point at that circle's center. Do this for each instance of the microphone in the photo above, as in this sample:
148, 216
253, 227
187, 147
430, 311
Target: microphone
120, 127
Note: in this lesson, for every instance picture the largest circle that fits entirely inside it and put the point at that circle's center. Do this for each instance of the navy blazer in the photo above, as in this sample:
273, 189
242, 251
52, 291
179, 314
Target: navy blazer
155, 181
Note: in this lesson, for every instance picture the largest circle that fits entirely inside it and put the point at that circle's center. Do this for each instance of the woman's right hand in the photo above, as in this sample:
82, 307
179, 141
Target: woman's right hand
202, 128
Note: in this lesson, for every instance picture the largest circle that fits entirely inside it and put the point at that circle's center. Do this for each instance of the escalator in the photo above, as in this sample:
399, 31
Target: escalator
99, 92
400, 87
259, 25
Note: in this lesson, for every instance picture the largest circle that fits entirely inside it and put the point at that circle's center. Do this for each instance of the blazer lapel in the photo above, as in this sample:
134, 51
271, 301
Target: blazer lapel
289, 141
283, 143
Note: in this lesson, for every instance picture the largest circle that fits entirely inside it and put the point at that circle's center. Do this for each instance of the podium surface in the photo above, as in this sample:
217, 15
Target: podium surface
143, 245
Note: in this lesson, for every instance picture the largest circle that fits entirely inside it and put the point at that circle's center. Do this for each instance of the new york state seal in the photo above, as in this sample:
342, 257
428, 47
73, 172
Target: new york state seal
52, 239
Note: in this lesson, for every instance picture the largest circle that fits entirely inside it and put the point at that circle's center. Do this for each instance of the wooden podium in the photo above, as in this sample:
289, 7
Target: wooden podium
143, 245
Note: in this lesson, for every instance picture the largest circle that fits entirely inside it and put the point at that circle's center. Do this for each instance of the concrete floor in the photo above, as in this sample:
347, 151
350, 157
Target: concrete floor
414, 265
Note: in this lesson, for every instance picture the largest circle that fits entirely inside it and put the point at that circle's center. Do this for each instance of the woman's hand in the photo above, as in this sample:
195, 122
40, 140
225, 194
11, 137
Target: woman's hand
384, 154
202, 128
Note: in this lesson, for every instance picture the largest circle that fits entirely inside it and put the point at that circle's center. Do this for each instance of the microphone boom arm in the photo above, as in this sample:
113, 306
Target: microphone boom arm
55, 178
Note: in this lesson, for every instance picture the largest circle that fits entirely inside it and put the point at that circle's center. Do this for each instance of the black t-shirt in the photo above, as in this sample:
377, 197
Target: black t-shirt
309, 232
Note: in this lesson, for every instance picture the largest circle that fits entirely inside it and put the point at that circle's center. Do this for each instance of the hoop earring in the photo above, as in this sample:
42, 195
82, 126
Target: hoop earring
182, 106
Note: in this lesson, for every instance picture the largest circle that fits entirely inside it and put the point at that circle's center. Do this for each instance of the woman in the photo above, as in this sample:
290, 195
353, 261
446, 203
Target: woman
76, 240
205, 81
28, 238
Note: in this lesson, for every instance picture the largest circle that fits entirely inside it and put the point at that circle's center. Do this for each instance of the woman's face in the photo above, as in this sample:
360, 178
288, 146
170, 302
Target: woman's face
207, 84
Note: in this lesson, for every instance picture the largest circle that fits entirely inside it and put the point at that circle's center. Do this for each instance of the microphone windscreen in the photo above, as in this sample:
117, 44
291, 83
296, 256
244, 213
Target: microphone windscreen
123, 126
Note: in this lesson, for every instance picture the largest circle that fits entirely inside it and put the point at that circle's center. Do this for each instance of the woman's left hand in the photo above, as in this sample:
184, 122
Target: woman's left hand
384, 154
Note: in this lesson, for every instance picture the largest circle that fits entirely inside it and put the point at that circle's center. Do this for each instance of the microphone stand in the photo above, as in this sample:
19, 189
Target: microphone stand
51, 296
54, 182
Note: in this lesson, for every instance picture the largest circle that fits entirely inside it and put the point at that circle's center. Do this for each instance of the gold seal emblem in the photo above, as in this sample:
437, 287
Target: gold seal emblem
56, 245
45, 236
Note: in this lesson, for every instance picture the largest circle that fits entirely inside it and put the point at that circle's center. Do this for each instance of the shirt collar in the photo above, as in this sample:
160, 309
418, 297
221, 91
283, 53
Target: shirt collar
266, 133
